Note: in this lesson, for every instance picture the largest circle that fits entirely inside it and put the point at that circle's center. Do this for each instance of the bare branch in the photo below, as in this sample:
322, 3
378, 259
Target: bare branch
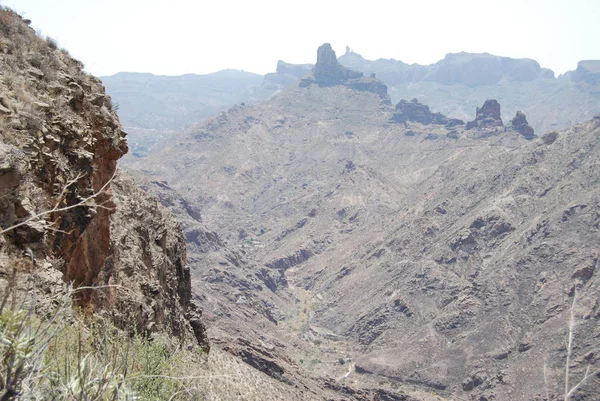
585, 377
57, 209
66, 187
570, 344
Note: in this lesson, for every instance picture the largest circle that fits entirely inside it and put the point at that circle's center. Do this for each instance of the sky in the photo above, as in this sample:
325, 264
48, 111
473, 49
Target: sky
177, 37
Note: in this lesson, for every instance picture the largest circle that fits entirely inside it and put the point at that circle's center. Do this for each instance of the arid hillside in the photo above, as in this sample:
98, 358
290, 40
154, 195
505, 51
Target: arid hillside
390, 247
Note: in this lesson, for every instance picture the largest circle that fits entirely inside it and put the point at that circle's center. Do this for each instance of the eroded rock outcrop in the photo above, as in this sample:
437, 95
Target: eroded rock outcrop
60, 140
587, 71
487, 116
328, 72
420, 113
519, 123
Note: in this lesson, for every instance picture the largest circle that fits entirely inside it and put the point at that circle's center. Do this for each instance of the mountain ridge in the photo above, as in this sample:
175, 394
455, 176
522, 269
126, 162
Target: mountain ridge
454, 85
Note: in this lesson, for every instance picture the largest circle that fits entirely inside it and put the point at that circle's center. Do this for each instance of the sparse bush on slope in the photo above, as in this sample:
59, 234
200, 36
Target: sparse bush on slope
75, 356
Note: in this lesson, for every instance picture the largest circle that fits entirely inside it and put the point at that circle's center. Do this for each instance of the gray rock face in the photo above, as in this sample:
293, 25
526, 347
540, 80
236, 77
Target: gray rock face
285, 75
484, 69
487, 116
420, 113
297, 70
587, 71
155, 244
328, 72
519, 123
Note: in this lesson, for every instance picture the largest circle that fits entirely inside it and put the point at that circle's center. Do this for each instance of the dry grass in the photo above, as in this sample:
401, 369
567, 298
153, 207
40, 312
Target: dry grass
49, 350
73, 357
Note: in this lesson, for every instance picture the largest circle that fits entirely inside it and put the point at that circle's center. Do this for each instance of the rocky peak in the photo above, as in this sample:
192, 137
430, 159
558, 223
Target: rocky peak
417, 112
519, 123
328, 72
487, 116
285, 75
296, 70
475, 69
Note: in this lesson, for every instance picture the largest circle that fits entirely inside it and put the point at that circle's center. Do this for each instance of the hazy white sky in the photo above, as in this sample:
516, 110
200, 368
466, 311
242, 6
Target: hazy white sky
177, 37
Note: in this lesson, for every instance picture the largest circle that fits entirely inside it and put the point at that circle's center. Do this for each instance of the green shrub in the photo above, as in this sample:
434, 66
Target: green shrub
67, 358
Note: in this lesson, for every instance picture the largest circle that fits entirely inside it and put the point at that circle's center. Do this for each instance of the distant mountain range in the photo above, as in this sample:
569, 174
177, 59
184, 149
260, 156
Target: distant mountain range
462, 81
153, 107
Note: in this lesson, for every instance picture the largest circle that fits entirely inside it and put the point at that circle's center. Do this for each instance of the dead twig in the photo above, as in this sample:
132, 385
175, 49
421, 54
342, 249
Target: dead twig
57, 209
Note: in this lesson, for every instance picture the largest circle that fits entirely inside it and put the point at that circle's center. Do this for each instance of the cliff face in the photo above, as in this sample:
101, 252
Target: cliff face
60, 143
147, 257
60, 140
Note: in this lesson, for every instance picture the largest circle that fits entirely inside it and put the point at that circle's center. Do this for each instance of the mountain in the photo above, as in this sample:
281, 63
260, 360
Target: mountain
153, 107
587, 71
456, 84
374, 247
94, 279
471, 69
285, 75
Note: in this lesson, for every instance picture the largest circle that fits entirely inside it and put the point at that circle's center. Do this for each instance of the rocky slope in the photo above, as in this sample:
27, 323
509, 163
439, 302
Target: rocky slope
382, 247
75, 219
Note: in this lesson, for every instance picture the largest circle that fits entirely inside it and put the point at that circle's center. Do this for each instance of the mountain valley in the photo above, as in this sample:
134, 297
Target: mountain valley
390, 246
348, 230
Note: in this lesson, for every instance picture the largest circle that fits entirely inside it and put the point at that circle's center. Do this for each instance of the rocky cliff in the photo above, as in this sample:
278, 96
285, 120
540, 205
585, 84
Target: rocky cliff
420, 113
487, 116
62, 204
587, 71
285, 75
